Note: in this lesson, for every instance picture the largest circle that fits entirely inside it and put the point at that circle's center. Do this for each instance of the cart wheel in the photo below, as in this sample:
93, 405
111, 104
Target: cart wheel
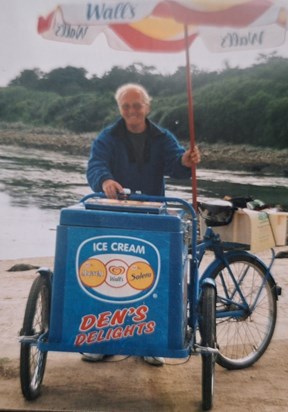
36, 322
243, 340
208, 339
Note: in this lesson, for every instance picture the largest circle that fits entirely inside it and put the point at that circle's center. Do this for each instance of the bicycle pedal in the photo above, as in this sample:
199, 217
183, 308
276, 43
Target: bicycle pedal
278, 290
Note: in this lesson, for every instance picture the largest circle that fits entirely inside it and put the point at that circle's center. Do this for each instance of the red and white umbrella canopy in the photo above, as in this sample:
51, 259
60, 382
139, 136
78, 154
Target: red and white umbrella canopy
171, 26
157, 25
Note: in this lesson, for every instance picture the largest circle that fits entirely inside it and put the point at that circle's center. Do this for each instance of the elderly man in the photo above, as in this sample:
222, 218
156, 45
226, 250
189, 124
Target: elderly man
136, 153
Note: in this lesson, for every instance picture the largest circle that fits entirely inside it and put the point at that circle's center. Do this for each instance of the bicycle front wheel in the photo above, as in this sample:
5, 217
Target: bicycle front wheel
36, 322
243, 339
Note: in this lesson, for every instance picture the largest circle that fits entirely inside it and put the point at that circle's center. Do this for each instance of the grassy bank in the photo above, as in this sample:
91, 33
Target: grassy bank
217, 156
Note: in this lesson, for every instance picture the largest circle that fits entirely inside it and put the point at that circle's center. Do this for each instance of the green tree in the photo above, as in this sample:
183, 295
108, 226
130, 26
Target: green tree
65, 81
27, 78
235, 105
278, 123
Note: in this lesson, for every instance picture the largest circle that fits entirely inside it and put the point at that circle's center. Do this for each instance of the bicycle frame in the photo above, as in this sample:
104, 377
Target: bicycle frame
211, 241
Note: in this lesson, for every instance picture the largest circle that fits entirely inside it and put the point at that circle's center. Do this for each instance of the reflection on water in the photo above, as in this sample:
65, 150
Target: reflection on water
35, 184
45, 179
26, 231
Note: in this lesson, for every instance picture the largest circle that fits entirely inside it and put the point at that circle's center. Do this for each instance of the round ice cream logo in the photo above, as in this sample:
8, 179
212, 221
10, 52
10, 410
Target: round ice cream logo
116, 273
92, 273
117, 270
140, 276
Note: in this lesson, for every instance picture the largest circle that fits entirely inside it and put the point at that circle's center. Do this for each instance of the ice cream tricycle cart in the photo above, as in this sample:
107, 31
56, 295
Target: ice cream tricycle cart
126, 281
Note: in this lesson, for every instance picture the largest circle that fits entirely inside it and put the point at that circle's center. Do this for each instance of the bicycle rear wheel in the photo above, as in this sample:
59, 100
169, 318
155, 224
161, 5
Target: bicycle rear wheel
207, 324
242, 340
36, 322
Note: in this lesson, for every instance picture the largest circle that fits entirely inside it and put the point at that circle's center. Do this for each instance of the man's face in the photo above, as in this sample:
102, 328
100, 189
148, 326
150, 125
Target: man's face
134, 110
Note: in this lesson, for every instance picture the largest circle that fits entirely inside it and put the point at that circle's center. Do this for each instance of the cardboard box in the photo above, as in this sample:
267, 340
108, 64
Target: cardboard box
279, 223
259, 229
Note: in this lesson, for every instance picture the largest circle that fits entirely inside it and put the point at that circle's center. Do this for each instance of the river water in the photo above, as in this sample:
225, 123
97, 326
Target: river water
35, 185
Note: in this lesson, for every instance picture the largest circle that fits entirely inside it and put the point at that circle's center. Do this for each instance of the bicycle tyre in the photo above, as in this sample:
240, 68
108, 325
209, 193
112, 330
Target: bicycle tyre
208, 339
36, 322
242, 341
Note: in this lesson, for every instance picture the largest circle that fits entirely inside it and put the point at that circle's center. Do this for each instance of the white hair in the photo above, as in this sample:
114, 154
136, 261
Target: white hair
135, 87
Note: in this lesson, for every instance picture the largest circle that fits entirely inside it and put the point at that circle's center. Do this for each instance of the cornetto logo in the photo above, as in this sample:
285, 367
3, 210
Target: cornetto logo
117, 269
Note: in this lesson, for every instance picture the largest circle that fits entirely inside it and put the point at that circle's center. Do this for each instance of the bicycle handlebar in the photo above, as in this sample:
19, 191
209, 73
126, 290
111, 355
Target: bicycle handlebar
145, 198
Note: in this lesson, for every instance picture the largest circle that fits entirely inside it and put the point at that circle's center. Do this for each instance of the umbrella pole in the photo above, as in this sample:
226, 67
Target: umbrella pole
190, 116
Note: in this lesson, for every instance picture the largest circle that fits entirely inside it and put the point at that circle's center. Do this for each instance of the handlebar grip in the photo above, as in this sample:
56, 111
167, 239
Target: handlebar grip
126, 191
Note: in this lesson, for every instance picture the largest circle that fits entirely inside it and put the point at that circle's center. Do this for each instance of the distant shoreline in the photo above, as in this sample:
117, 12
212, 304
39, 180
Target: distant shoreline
218, 156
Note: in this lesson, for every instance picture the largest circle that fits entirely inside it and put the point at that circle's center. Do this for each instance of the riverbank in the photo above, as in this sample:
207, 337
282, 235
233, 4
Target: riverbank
218, 156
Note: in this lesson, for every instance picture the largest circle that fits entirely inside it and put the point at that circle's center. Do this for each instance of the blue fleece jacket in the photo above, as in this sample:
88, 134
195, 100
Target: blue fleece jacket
112, 157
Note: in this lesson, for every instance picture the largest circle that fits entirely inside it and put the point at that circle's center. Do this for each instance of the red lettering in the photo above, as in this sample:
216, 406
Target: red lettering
118, 317
140, 327
141, 313
88, 321
100, 337
129, 330
108, 334
103, 319
117, 333
91, 337
80, 339
150, 327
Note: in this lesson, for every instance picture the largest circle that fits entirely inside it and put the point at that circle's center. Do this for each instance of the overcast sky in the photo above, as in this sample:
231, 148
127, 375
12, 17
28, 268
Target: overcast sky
22, 48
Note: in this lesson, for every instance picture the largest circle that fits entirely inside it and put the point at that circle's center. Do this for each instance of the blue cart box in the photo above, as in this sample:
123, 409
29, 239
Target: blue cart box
120, 280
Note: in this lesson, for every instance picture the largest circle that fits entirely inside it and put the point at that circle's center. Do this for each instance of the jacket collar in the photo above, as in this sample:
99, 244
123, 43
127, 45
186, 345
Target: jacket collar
119, 129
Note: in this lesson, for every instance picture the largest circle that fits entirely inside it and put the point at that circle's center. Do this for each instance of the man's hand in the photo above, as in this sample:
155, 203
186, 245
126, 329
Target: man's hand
190, 157
111, 188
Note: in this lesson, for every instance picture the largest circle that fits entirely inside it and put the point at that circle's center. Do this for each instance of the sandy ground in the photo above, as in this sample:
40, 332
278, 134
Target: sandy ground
129, 384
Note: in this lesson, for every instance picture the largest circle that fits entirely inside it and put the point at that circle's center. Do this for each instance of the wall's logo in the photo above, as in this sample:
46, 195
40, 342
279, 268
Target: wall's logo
111, 13
117, 268
234, 39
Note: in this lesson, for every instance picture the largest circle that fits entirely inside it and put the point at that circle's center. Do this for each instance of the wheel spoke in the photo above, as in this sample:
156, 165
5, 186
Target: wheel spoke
36, 322
243, 339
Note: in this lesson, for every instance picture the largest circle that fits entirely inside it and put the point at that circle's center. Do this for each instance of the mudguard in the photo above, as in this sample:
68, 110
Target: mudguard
213, 265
